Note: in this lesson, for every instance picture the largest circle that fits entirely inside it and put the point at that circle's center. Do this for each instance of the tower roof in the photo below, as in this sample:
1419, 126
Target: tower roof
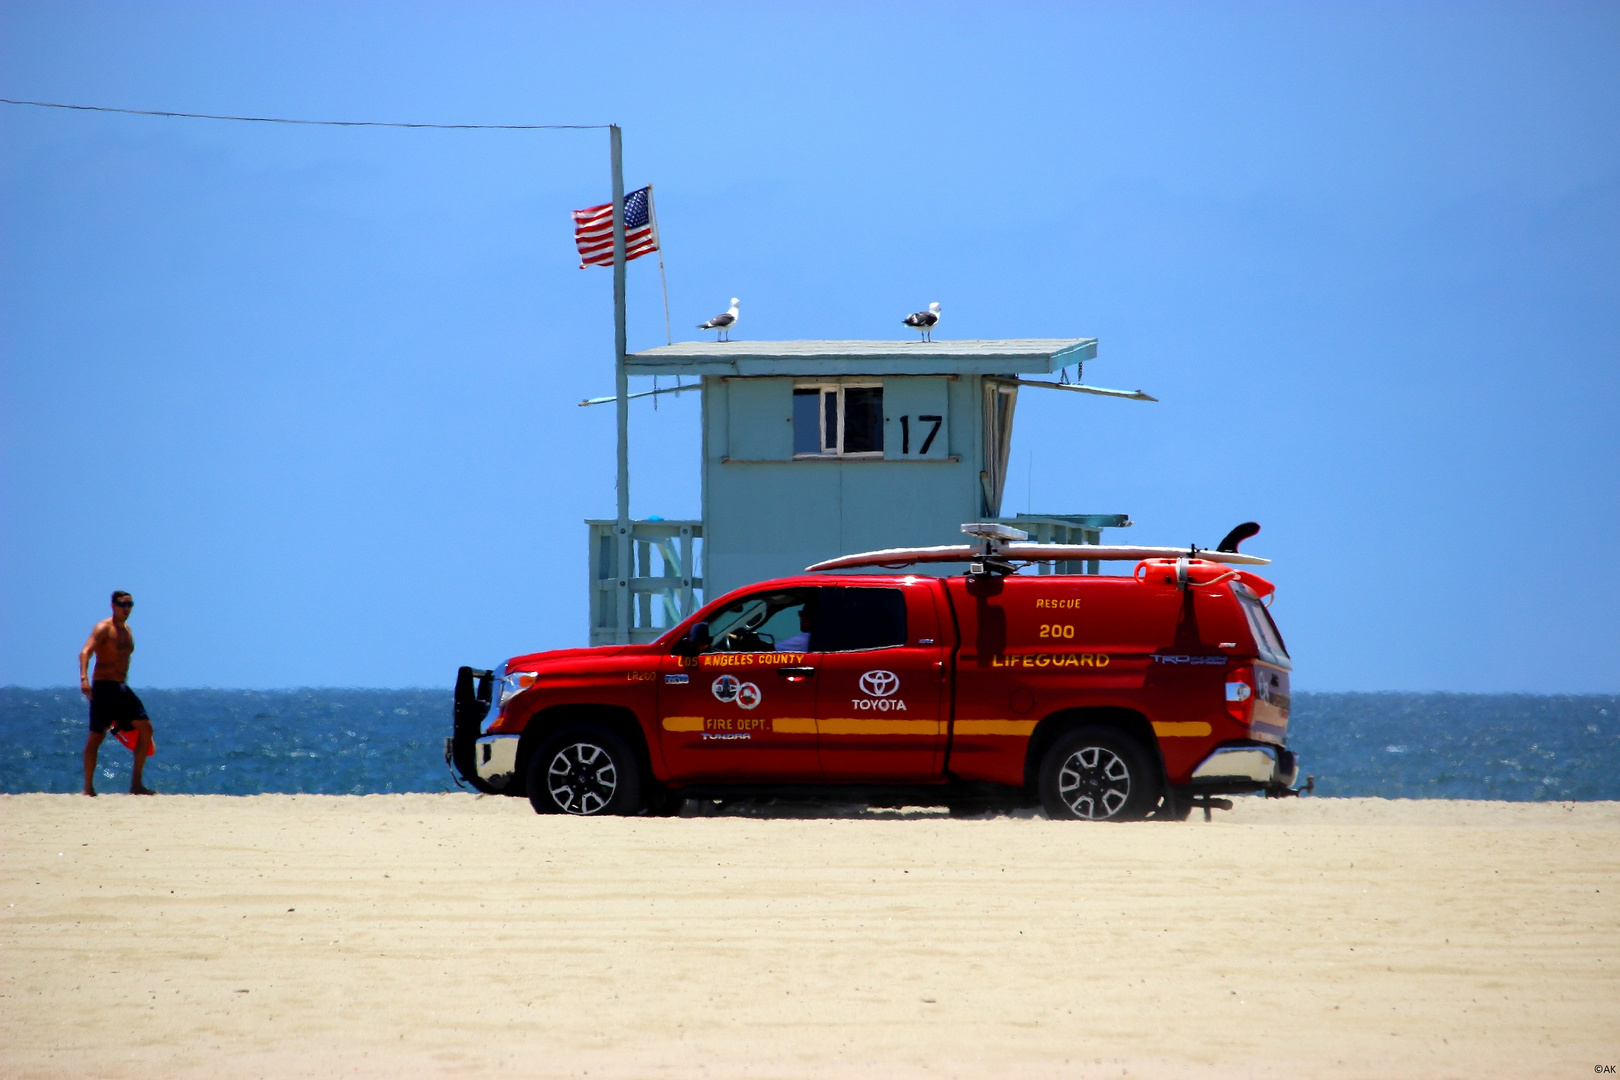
813, 358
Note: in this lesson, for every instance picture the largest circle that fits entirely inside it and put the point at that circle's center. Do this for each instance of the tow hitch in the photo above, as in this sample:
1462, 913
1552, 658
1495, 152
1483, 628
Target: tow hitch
1207, 803
1293, 792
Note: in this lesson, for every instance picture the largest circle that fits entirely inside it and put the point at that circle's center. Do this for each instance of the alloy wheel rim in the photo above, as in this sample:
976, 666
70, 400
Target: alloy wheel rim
582, 779
1094, 783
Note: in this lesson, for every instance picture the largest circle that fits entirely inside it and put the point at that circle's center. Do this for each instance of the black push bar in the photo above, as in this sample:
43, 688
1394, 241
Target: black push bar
475, 690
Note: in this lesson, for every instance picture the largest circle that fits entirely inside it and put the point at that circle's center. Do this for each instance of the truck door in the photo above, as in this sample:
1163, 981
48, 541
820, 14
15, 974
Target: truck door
745, 708
881, 683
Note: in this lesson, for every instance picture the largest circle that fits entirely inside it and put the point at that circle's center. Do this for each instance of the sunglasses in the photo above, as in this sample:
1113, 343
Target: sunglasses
124, 603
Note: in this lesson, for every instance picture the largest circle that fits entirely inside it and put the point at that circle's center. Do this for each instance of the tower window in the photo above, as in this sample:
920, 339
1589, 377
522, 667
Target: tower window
837, 421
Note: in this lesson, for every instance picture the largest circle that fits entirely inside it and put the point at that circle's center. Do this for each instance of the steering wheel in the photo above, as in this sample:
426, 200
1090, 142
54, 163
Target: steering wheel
750, 641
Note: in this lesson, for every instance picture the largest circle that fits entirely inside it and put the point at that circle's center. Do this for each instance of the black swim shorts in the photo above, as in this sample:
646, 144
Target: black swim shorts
114, 704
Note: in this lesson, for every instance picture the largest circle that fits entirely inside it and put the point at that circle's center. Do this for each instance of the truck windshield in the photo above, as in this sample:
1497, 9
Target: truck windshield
1266, 638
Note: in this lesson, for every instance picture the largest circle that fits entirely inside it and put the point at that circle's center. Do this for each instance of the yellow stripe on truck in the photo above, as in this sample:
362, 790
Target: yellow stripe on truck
995, 727
787, 725
849, 725
1190, 729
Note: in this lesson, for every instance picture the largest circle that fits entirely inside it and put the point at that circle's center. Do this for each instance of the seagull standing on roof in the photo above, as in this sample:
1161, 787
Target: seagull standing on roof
723, 322
924, 321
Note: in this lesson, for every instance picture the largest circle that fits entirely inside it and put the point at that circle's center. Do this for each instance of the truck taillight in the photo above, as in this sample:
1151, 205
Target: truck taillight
1240, 693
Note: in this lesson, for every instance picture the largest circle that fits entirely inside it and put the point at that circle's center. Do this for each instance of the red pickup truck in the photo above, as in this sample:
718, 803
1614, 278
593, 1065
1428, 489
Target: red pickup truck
1104, 697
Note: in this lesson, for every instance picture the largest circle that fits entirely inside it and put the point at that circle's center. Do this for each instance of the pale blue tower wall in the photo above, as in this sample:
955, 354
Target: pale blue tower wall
766, 514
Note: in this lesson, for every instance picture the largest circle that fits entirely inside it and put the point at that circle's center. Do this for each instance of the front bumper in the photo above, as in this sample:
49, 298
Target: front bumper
496, 760
1246, 768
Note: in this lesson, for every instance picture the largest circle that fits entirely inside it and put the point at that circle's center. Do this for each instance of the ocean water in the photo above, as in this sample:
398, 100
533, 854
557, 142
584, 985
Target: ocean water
1520, 747
236, 742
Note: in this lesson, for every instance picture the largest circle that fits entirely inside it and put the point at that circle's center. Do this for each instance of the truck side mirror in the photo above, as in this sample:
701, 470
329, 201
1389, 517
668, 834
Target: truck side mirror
695, 641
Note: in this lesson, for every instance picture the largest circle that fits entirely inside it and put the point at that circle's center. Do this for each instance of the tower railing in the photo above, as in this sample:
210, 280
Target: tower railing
659, 600
1067, 529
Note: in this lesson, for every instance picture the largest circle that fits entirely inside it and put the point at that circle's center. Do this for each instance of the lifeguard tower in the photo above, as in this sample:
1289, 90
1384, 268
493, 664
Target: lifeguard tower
813, 449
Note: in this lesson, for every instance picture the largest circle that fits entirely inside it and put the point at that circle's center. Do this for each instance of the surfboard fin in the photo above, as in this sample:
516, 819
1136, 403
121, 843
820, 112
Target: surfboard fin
1238, 535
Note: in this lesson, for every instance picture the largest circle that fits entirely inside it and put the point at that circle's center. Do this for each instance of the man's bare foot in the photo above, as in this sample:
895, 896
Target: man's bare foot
140, 789
90, 791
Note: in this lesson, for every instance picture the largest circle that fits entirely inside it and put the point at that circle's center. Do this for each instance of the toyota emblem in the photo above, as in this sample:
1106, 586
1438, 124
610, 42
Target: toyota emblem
880, 683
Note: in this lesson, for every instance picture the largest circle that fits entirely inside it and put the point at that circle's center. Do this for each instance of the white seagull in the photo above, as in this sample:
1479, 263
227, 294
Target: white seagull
924, 321
723, 322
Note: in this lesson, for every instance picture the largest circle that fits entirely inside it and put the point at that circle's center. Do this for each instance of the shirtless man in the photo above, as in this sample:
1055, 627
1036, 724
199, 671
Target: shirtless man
112, 702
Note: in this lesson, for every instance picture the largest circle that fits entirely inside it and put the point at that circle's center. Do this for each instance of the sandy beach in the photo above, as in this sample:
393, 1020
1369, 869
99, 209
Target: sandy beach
448, 935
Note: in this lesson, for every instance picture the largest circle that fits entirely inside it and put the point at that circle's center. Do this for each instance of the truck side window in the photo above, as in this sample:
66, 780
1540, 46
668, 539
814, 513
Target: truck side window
764, 622
1269, 642
850, 618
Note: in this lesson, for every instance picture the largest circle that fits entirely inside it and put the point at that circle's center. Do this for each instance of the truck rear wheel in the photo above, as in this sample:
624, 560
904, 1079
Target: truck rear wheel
585, 770
1097, 774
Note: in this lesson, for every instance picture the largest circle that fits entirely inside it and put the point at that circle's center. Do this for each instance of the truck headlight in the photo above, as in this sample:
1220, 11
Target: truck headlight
514, 683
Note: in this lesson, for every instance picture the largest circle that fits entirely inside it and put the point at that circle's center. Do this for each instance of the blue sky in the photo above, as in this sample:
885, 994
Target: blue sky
310, 393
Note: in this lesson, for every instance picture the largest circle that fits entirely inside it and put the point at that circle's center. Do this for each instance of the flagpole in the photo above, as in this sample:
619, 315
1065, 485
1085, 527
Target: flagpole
621, 388
658, 242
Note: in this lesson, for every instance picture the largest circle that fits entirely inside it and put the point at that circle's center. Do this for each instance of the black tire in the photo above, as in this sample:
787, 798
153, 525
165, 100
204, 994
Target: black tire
662, 802
1097, 774
1174, 808
584, 770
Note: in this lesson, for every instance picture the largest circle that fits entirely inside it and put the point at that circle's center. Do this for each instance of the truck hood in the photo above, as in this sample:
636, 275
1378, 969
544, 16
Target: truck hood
540, 660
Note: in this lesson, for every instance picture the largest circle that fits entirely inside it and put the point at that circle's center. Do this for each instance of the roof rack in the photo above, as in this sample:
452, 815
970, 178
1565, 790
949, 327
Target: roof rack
1001, 545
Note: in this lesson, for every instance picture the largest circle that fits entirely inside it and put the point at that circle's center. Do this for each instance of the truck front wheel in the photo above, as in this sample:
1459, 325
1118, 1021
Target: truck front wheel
584, 770
1097, 774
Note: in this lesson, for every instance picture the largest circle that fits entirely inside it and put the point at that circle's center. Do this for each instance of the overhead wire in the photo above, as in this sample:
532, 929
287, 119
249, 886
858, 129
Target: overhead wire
351, 124
312, 123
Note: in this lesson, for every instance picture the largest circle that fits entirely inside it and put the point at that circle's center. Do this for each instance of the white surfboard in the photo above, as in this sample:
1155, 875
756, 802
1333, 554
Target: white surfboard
895, 558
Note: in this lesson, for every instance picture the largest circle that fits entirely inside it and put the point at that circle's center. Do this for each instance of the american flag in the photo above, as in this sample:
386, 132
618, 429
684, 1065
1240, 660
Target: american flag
593, 230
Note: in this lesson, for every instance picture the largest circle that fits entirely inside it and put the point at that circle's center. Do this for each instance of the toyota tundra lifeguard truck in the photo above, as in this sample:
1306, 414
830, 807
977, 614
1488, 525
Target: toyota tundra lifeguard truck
1104, 697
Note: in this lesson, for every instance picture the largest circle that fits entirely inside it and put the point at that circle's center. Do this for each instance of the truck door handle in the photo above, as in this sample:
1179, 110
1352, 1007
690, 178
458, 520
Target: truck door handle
795, 674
